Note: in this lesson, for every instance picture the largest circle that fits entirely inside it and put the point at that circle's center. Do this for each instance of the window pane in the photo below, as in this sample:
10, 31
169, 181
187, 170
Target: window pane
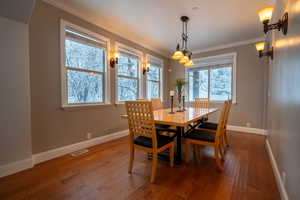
153, 89
128, 66
127, 89
84, 87
84, 56
153, 73
198, 84
220, 83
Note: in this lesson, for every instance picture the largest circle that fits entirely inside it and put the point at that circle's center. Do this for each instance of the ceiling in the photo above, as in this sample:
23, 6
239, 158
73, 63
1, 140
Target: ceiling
156, 24
17, 10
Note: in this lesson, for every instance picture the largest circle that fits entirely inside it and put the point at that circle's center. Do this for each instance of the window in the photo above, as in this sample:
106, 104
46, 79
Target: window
128, 74
213, 78
154, 78
84, 73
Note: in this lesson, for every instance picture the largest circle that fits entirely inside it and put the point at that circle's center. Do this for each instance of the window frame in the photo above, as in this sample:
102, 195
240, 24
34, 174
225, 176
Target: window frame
119, 47
160, 63
209, 68
64, 25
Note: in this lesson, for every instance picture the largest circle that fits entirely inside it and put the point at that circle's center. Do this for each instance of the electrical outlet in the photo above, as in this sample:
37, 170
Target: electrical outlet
89, 135
283, 177
248, 124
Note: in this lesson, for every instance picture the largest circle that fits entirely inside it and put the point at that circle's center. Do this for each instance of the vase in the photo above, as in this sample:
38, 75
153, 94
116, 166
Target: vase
180, 107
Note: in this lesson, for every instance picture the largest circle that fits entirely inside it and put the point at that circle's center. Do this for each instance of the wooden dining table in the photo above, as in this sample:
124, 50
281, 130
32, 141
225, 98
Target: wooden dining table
180, 120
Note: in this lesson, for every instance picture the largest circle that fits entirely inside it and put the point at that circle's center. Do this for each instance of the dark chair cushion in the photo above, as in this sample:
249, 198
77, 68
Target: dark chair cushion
197, 134
162, 126
147, 142
209, 125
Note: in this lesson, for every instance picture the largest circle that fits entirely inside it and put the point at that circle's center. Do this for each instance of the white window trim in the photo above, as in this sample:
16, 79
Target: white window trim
140, 54
161, 85
234, 55
64, 103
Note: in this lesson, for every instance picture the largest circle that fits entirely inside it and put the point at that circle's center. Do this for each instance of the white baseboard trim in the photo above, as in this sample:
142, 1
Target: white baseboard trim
280, 185
247, 130
15, 167
48, 155
21, 165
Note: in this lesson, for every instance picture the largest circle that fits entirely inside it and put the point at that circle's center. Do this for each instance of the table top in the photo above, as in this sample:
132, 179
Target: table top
189, 116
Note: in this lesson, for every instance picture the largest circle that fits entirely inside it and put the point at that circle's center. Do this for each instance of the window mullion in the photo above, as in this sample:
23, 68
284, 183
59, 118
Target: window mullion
208, 89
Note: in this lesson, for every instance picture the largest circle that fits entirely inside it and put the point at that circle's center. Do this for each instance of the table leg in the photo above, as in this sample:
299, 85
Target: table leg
179, 132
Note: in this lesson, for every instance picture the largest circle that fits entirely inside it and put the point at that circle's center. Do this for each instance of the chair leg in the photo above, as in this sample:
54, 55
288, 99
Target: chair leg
187, 151
222, 151
154, 167
217, 157
172, 155
131, 159
226, 139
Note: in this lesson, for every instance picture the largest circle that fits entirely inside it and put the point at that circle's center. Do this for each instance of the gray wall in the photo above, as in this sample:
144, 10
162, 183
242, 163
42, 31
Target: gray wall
15, 141
284, 98
53, 127
251, 85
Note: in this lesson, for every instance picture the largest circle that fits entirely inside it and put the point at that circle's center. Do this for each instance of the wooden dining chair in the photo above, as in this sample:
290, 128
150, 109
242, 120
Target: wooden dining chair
202, 103
143, 134
209, 138
211, 126
157, 104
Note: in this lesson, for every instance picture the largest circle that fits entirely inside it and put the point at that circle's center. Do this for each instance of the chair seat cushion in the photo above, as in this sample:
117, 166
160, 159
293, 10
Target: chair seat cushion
209, 125
197, 134
147, 142
163, 126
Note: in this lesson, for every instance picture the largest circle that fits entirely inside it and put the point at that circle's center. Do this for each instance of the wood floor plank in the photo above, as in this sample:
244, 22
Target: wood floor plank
102, 174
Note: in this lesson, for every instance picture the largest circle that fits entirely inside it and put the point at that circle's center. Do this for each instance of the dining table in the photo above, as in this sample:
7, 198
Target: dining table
180, 120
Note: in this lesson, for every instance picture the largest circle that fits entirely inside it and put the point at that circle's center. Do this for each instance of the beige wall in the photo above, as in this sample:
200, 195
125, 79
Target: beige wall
251, 84
53, 127
284, 98
15, 138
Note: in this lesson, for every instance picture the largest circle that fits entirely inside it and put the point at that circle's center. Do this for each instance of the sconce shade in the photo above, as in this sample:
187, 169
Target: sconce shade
177, 55
260, 46
265, 14
184, 59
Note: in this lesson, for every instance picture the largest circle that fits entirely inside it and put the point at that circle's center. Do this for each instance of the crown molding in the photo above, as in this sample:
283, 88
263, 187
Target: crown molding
90, 19
225, 46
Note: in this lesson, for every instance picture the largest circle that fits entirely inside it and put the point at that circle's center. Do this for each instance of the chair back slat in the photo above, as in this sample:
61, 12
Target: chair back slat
201, 103
141, 120
157, 104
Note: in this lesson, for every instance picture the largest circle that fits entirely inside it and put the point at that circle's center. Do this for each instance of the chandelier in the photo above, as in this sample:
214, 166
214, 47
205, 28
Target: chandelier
182, 54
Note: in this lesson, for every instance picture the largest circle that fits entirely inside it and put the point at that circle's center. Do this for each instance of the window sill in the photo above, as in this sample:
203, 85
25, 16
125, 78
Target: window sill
84, 106
123, 102
216, 102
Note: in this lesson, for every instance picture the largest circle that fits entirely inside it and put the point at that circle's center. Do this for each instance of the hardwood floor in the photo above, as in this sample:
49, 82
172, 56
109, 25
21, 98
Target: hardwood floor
102, 174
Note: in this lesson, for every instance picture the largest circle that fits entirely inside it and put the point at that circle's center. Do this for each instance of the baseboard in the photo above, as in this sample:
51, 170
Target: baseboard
247, 130
21, 165
15, 167
48, 155
280, 185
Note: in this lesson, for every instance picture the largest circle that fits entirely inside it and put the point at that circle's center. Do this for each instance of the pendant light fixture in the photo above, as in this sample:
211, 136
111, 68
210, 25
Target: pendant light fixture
182, 53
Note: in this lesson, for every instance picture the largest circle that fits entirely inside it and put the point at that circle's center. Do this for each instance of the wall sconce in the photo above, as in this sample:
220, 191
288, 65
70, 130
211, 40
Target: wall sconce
114, 60
146, 68
260, 46
265, 15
